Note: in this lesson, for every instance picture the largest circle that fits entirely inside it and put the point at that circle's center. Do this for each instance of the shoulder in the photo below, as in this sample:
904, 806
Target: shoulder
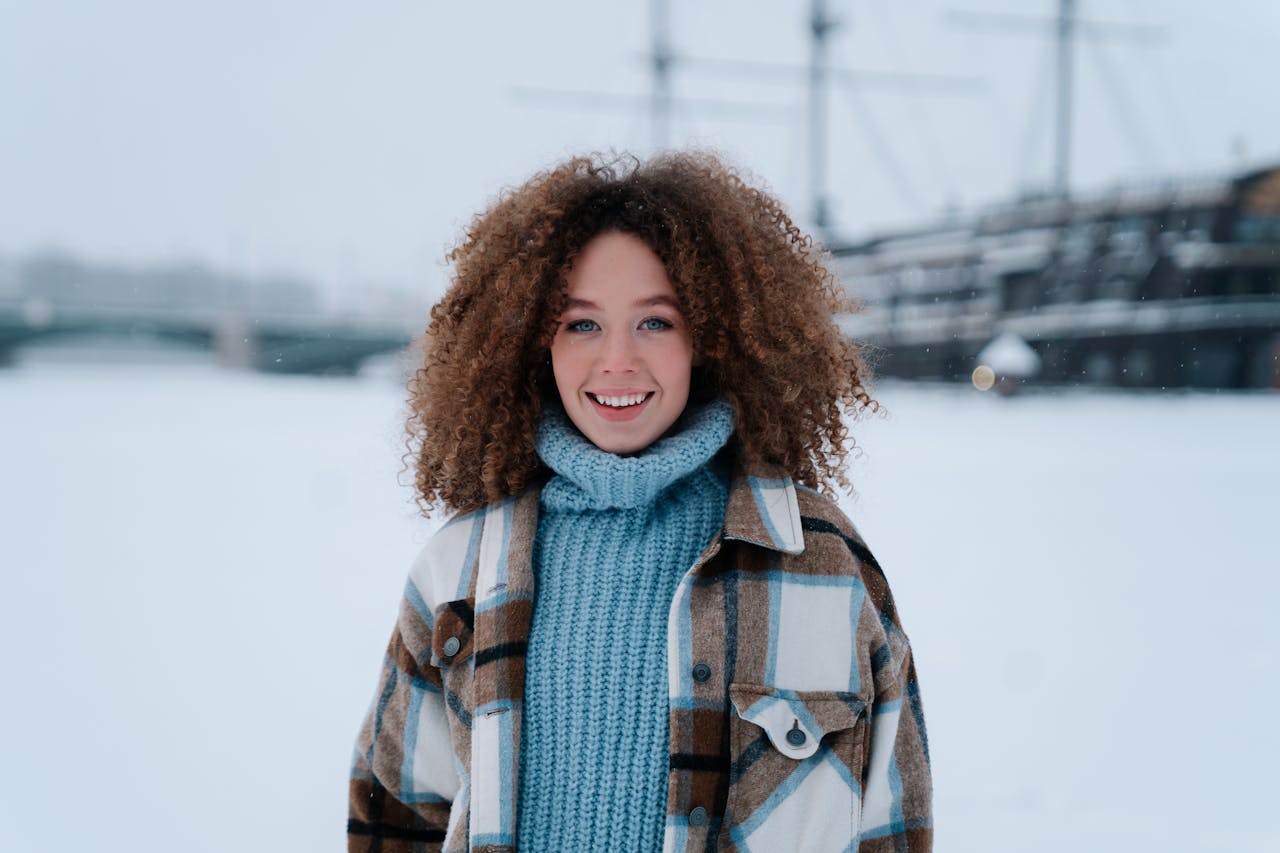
445, 567
436, 573
833, 545
829, 534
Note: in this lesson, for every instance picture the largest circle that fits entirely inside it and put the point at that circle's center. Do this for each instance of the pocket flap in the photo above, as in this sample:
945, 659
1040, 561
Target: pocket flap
796, 720
451, 637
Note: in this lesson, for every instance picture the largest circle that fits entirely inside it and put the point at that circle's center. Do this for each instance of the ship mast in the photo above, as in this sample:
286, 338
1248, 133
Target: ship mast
820, 25
1062, 135
660, 62
1067, 30
661, 102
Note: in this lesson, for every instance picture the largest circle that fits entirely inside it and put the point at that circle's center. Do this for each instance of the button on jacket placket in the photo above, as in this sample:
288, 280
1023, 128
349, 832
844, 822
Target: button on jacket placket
781, 533
680, 683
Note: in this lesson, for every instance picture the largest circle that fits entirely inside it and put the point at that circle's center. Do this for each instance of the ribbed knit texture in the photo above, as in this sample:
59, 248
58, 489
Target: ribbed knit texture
615, 536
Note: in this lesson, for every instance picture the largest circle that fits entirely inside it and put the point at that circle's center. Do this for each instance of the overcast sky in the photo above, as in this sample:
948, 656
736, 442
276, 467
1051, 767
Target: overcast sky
349, 141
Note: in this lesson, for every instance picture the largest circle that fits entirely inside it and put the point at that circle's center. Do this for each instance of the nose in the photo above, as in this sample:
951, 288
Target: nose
619, 352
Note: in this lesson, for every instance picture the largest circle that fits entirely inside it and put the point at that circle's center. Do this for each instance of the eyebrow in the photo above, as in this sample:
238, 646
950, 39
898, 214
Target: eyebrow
644, 303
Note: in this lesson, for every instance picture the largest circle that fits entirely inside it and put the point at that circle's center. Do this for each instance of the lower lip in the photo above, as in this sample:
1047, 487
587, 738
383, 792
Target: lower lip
625, 413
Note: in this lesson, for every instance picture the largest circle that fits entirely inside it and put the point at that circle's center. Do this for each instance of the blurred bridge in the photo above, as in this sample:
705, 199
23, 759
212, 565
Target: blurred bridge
269, 341
275, 324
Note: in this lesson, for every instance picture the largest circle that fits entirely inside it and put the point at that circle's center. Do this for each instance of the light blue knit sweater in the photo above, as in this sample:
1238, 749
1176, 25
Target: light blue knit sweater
615, 536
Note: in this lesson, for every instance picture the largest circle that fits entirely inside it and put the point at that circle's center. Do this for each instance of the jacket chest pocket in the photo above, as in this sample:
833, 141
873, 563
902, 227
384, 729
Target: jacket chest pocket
795, 777
452, 651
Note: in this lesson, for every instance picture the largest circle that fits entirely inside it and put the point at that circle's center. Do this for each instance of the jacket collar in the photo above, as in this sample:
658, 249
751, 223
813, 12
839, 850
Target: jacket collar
764, 511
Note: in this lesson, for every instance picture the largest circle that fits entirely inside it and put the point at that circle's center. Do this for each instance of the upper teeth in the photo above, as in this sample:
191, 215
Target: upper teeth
625, 400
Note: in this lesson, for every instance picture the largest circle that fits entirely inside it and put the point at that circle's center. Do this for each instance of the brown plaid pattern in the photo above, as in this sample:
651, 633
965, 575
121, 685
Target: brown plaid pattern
795, 718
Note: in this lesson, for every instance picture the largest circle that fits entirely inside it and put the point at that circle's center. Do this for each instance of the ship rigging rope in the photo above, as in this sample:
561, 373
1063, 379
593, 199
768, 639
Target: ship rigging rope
897, 176
1148, 157
920, 119
1037, 120
1153, 65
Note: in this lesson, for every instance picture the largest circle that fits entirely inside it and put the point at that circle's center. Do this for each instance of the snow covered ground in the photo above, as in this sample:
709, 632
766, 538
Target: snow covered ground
201, 570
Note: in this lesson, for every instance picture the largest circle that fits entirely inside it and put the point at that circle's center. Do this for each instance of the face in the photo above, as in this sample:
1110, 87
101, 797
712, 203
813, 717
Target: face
622, 353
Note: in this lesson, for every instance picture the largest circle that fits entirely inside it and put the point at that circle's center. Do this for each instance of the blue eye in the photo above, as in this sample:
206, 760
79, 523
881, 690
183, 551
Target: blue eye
655, 324
582, 326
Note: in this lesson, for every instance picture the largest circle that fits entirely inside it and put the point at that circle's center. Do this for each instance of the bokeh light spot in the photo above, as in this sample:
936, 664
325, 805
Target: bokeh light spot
983, 377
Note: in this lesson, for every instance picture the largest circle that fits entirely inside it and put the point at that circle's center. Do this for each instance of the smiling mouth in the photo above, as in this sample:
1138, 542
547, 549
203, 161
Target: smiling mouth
623, 401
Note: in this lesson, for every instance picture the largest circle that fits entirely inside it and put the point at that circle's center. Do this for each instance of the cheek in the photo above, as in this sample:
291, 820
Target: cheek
677, 363
564, 368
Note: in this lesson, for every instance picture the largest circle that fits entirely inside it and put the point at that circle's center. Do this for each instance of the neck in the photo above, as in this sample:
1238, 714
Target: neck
590, 478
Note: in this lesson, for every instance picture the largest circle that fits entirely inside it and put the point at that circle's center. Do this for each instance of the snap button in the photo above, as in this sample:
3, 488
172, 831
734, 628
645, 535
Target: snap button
796, 737
451, 646
701, 672
698, 817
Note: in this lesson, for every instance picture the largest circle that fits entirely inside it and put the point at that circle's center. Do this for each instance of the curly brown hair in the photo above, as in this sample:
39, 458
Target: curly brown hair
754, 289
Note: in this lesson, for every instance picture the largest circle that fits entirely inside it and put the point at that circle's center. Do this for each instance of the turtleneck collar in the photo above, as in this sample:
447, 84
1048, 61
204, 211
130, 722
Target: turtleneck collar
591, 478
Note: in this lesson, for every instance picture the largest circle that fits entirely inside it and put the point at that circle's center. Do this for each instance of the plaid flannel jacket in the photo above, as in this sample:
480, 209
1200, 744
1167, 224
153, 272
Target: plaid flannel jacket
802, 729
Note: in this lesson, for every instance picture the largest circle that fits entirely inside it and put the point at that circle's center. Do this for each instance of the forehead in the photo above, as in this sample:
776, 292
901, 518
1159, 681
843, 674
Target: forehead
618, 267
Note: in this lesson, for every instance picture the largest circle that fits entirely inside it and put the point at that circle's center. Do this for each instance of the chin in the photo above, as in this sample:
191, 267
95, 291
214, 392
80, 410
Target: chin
619, 447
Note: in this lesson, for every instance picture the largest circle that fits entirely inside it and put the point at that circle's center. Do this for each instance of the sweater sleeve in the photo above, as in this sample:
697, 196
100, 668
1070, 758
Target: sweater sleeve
897, 797
403, 776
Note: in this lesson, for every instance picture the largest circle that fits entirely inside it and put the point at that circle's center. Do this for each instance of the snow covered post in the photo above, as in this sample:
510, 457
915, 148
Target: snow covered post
1004, 364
